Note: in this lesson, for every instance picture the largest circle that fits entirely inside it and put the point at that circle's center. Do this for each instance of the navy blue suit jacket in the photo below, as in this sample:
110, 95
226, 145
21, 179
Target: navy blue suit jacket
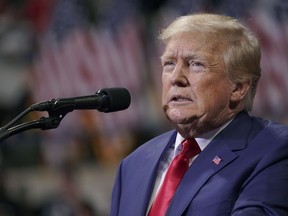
250, 180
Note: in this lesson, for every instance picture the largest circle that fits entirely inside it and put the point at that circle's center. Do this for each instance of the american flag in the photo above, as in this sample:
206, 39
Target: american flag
76, 58
216, 160
270, 24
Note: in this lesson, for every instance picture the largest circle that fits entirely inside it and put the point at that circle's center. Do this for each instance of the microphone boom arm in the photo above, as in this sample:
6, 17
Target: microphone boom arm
44, 123
105, 100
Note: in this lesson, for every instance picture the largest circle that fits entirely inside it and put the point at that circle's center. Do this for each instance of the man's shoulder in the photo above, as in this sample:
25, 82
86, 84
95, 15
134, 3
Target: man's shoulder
278, 130
154, 144
160, 137
272, 128
159, 140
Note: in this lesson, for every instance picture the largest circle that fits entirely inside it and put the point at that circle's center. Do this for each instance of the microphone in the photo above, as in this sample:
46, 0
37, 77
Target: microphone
105, 100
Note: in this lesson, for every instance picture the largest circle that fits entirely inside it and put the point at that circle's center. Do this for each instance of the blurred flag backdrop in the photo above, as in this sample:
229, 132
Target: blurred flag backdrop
86, 45
81, 46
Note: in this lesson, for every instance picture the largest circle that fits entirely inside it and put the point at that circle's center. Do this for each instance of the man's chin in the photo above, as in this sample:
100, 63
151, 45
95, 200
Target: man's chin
187, 128
182, 120
180, 116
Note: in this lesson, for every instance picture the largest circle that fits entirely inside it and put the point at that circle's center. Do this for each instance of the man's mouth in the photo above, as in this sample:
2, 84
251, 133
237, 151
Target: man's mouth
179, 98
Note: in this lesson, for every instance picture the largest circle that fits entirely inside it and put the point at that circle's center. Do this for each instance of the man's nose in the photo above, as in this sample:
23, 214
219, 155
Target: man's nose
178, 76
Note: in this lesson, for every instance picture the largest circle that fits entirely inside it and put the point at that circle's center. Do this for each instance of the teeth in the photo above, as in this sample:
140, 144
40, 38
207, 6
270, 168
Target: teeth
180, 99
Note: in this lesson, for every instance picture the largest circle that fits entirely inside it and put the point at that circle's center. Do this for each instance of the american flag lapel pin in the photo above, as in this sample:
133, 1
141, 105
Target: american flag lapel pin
216, 160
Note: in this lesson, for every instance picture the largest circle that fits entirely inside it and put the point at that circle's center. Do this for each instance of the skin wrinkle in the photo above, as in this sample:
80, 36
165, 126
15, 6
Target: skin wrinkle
194, 72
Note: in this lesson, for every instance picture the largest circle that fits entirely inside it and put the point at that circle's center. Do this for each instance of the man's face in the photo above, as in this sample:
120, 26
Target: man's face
196, 89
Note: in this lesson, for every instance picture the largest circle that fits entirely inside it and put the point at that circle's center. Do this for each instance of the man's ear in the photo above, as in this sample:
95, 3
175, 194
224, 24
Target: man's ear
240, 91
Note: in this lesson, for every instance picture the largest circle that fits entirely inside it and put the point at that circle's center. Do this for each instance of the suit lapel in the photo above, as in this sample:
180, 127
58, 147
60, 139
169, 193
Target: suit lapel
150, 168
198, 174
207, 163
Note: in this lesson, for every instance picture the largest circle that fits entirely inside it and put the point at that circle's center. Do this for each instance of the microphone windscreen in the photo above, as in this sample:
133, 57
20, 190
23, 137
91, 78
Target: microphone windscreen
118, 99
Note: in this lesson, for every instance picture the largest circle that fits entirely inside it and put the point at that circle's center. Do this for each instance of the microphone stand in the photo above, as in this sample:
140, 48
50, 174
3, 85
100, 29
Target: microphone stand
44, 123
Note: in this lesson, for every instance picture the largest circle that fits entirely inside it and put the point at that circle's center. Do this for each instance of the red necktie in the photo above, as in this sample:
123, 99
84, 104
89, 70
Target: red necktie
175, 172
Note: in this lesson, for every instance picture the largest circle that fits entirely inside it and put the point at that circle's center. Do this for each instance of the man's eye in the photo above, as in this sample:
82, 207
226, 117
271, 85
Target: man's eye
168, 63
197, 66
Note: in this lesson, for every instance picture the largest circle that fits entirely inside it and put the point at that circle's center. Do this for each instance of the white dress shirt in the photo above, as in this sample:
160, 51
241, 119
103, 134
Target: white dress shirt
173, 151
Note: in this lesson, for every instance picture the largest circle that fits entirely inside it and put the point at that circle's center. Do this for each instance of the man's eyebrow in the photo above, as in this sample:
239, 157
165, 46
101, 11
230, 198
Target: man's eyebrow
167, 56
186, 56
194, 55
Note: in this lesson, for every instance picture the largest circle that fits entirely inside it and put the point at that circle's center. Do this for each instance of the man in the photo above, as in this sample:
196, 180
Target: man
211, 66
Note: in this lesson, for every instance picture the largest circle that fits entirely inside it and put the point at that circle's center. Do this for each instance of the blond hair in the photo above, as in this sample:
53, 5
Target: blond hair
241, 53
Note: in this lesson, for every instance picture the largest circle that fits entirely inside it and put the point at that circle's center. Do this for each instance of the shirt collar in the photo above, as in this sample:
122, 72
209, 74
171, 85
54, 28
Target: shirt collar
202, 140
